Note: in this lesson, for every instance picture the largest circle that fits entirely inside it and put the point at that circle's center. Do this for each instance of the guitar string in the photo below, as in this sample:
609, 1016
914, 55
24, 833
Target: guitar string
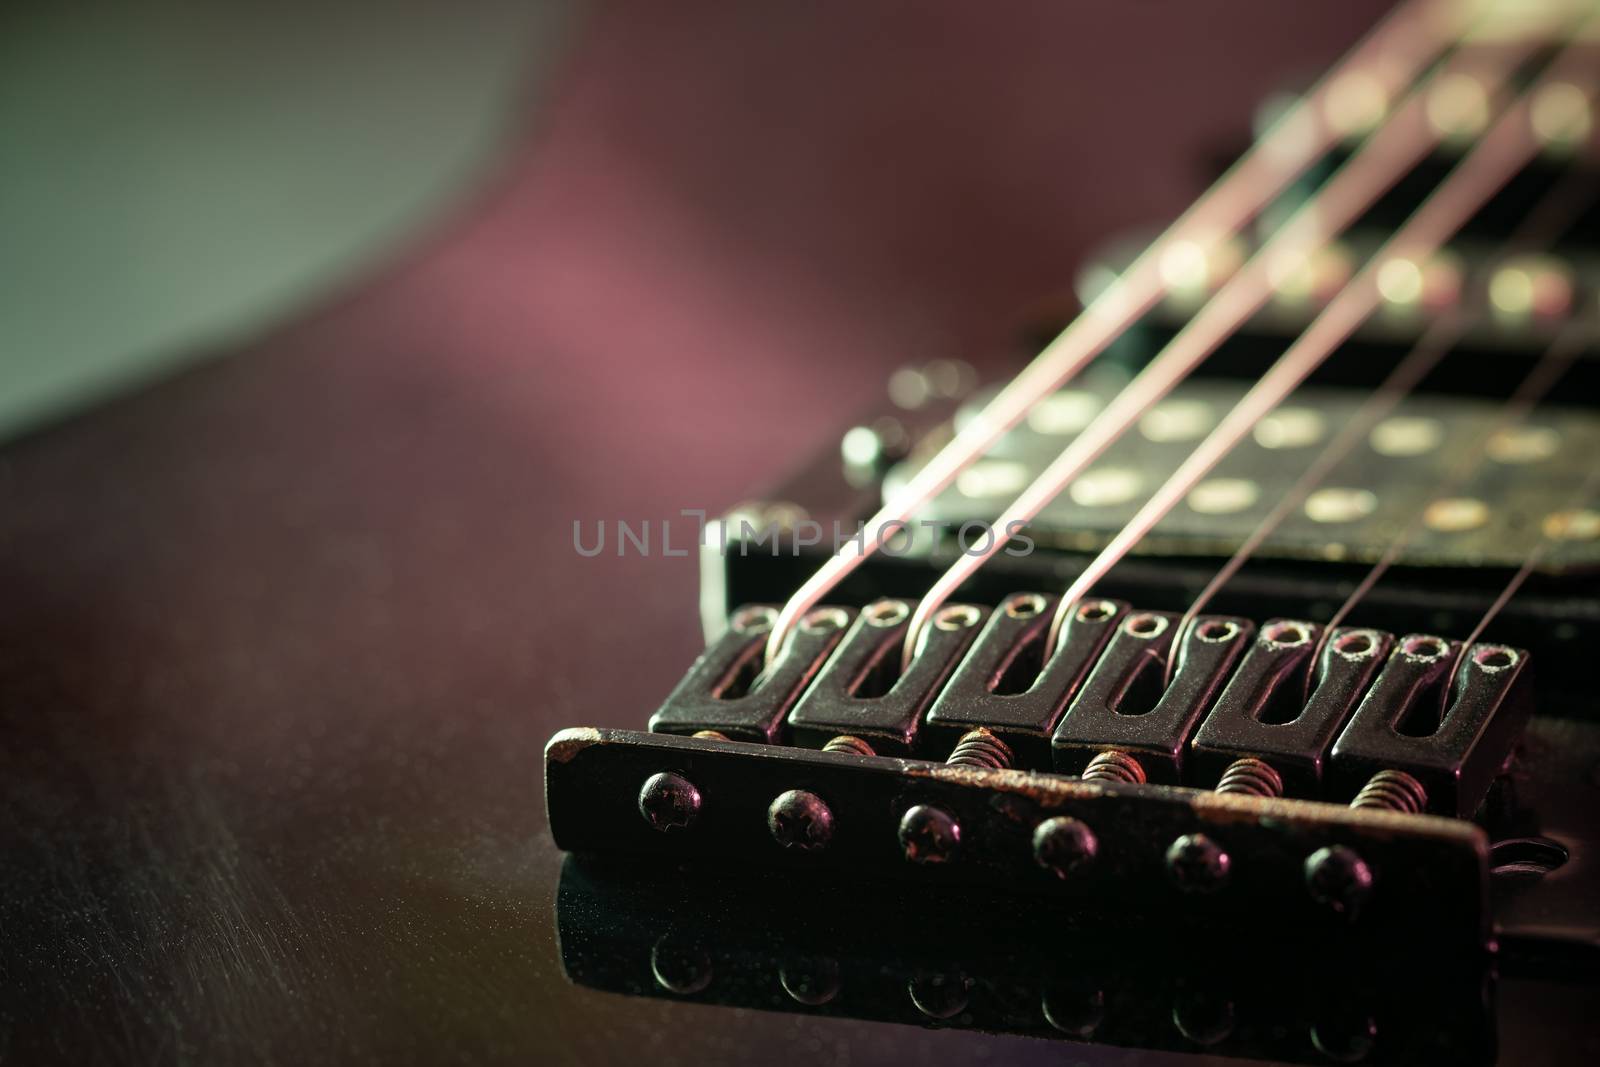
1375, 167
1510, 143
1386, 60
1547, 370
1553, 214
1585, 494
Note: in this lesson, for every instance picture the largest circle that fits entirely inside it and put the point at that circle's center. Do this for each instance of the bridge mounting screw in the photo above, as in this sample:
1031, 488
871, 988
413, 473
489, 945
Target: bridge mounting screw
1063, 844
929, 834
1198, 864
669, 801
1339, 878
798, 819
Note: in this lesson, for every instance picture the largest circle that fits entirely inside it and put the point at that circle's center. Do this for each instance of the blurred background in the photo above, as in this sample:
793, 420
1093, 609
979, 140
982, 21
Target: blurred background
320, 323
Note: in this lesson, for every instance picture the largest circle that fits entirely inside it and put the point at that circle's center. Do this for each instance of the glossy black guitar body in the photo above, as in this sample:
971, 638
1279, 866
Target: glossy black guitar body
282, 641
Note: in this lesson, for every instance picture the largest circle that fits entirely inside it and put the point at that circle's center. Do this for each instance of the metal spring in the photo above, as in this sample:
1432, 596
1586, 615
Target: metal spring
1394, 791
1114, 766
980, 748
1251, 777
710, 735
847, 743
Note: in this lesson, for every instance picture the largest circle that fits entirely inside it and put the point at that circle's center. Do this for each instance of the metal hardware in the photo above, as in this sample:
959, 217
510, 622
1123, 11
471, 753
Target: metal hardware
1122, 707
1001, 686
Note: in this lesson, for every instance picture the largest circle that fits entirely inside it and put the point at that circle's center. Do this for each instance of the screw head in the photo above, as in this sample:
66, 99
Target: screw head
1062, 844
940, 996
798, 819
929, 834
668, 801
679, 965
1346, 1035
1203, 1018
1339, 878
1078, 1012
1198, 864
810, 980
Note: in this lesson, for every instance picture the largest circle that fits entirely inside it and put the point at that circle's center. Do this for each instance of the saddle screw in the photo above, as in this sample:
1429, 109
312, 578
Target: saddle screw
1062, 844
980, 748
798, 819
669, 801
929, 834
1392, 791
1114, 766
1339, 878
849, 743
1251, 777
1198, 864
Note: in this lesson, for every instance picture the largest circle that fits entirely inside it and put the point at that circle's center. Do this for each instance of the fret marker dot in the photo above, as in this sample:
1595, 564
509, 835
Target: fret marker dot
1456, 514
1458, 106
1176, 420
1223, 496
989, 478
1532, 285
1400, 282
1525, 444
1407, 435
1340, 505
1574, 525
1065, 412
1289, 427
1355, 103
1105, 486
1561, 116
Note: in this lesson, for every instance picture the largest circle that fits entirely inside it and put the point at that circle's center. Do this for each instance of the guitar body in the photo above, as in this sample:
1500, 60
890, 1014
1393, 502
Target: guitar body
283, 639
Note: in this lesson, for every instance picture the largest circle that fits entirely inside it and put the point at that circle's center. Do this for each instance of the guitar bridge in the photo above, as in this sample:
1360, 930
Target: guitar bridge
1280, 778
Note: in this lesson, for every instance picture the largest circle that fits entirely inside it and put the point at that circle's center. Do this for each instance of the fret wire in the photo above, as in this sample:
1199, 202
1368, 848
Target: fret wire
1508, 145
1393, 54
1376, 166
1549, 217
1541, 378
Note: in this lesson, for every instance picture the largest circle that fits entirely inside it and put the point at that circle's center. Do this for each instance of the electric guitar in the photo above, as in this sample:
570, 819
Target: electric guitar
1215, 685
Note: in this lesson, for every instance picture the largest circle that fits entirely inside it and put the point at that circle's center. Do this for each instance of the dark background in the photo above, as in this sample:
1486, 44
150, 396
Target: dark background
282, 637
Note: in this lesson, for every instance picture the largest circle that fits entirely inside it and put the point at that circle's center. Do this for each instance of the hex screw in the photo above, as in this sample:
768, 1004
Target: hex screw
929, 834
668, 801
1114, 766
1392, 791
1339, 879
1197, 864
802, 820
1062, 844
1251, 777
